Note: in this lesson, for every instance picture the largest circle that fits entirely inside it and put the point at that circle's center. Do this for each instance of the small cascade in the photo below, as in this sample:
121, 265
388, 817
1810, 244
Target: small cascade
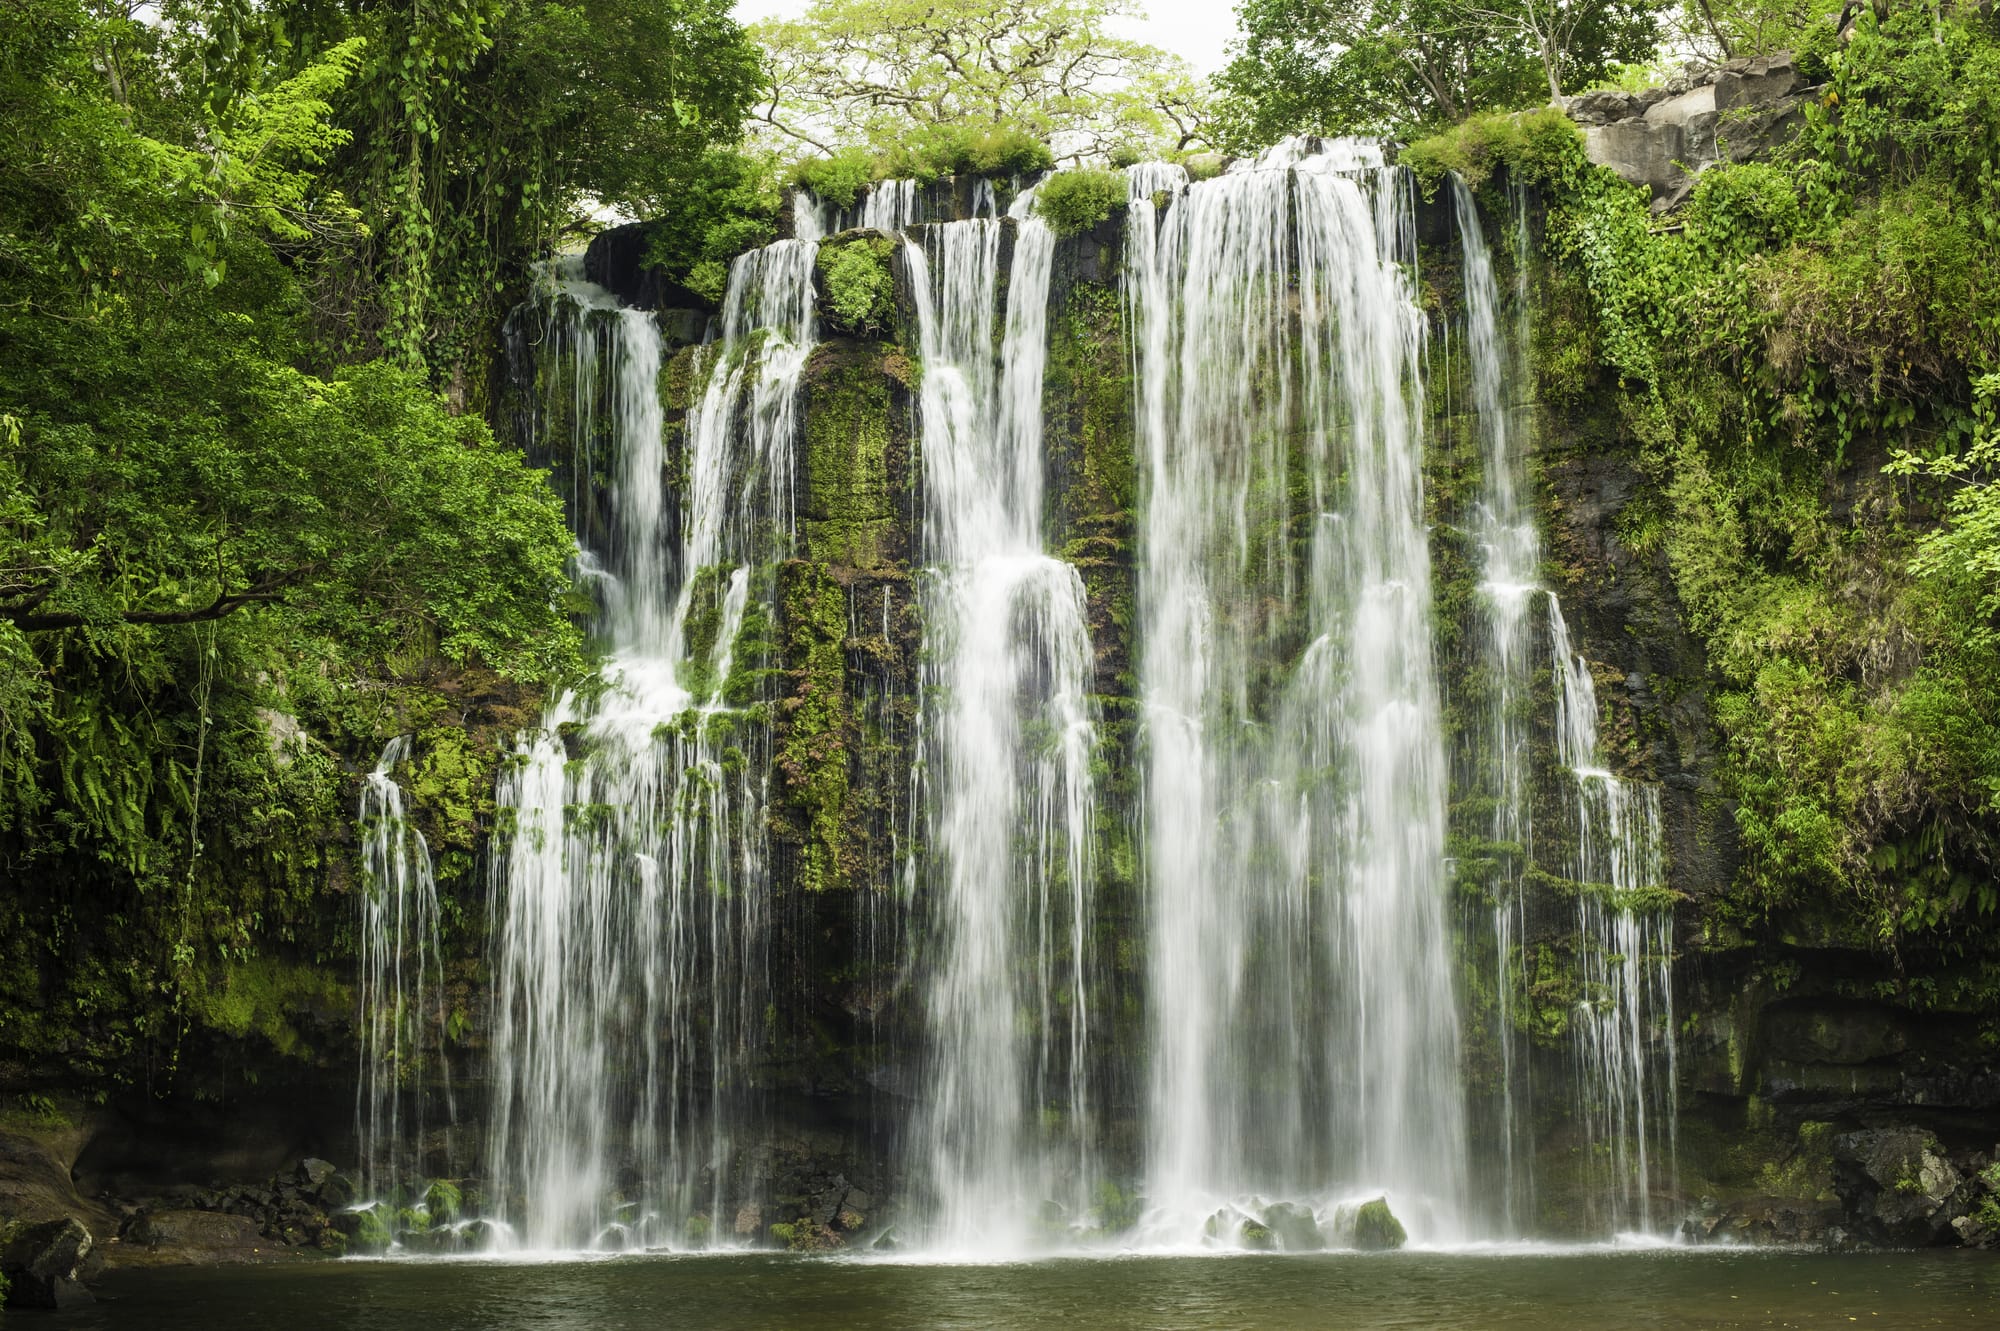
631, 900
1623, 1083
1005, 1136
1510, 552
1626, 1064
1305, 1041
404, 1084
887, 205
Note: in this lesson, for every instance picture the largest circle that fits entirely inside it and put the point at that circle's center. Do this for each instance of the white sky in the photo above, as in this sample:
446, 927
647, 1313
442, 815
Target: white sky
1196, 30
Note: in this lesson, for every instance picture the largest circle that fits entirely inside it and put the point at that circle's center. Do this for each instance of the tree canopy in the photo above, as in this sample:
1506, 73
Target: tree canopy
1325, 66
871, 72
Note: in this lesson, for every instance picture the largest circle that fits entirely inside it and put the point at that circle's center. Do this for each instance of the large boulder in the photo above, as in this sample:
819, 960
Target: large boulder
1294, 1226
1665, 137
1896, 1185
187, 1238
44, 1263
311, 1172
1376, 1228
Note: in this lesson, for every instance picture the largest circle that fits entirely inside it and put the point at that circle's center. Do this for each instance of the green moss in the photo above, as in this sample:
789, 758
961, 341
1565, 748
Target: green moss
274, 999
1376, 1228
815, 721
1807, 1173
443, 1202
848, 515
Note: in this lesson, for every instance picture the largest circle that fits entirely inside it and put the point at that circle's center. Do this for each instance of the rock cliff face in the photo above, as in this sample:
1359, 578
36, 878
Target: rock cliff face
1667, 136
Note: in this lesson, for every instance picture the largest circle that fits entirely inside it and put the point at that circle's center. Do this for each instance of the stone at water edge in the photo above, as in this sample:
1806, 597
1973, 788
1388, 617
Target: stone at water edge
1376, 1228
186, 1237
313, 1172
1295, 1226
44, 1263
1897, 1184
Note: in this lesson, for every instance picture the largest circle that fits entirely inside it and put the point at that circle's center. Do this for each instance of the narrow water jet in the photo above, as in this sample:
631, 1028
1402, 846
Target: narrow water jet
1622, 1047
1510, 573
1625, 1055
403, 1088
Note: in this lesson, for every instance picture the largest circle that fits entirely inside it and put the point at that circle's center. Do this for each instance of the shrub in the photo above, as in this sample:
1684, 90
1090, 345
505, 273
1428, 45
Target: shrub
709, 279
1538, 145
838, 179
860, 289
1073, 201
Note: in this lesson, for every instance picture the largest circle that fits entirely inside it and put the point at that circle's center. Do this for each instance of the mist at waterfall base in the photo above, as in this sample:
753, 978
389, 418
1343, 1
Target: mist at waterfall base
1304, 1031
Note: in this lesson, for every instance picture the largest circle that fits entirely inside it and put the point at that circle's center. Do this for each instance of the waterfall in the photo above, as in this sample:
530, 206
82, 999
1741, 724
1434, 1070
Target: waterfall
1008, 733
1304, 1031
631, 895
1626, 1062
403, 1013
1510, 558
1623, 1028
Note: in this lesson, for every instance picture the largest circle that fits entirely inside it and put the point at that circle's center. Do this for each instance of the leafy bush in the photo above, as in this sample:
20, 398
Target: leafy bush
860, 289
725, 207
838, 179
1536, 145
1074, 201
708, 279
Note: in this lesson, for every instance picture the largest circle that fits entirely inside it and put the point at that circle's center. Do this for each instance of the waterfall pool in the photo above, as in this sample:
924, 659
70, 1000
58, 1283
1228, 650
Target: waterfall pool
1540, 1287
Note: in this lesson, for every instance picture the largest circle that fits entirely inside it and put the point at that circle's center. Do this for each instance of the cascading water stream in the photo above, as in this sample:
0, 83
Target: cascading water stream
1006, 1125
1510, 548
631, 901
1623, 1025
1305, 1041
1626, 1063
403, 1068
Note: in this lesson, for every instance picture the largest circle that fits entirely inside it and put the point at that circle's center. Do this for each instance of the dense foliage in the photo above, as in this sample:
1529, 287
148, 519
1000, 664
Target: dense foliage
1806, 359
230, 566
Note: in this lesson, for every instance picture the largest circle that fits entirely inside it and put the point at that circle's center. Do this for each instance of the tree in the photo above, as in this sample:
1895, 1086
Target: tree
1574, 41
476, 135
222, 576
870, 72
1323, 66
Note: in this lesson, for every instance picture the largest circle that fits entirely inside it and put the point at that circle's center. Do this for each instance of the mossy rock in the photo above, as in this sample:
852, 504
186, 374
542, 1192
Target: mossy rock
1376, 1228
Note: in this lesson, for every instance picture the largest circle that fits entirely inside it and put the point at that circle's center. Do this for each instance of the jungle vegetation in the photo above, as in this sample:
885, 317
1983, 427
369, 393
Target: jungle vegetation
254, 257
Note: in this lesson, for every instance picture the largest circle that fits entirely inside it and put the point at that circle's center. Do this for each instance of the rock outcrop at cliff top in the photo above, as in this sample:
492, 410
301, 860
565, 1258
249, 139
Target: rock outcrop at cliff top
1665, 137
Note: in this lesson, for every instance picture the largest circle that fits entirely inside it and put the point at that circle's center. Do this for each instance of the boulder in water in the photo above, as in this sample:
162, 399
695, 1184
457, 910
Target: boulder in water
43, 1264
1231, 1226
1376, 1228
1295, 1227
1897, 1185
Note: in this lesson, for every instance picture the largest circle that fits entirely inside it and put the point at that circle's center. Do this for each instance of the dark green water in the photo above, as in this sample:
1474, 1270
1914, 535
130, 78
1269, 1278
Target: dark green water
1547, 1290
